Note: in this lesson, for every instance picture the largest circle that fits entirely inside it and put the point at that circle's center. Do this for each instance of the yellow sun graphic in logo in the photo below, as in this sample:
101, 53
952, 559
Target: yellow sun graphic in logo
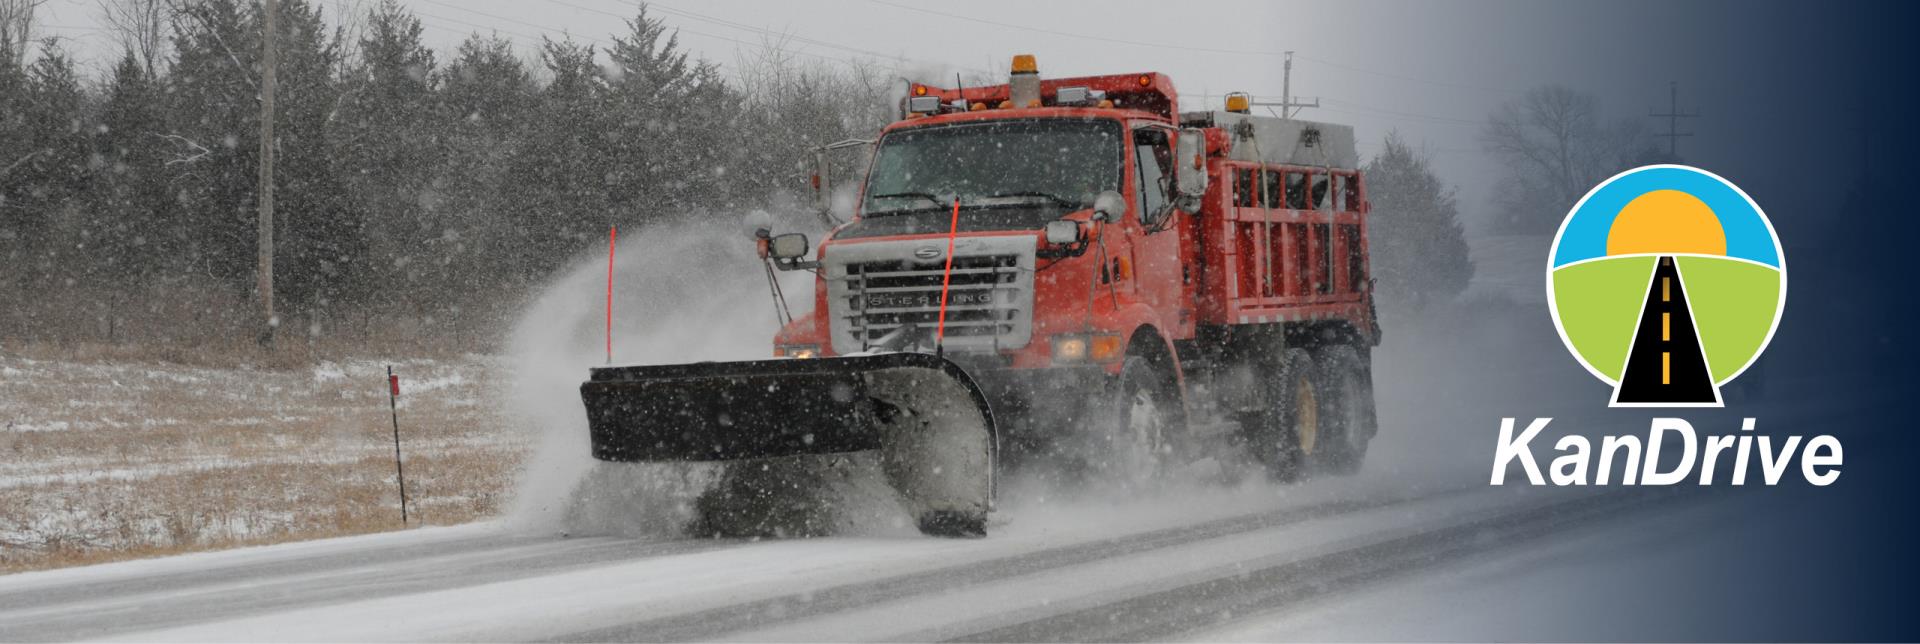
1668, 222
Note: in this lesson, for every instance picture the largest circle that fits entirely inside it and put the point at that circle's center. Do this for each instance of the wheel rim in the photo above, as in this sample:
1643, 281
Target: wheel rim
1306, 427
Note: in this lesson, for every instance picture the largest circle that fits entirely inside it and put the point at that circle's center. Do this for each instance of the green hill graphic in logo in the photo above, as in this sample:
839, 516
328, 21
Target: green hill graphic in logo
1666, 281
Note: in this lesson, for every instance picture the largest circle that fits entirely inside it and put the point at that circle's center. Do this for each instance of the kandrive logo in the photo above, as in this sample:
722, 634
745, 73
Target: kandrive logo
1666, 282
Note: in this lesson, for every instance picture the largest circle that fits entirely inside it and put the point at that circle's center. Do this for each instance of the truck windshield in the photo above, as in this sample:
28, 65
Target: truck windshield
1020, 173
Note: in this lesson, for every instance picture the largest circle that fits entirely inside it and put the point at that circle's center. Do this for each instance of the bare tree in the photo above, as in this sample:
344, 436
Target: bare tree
144, 28
1555, 147
16, 26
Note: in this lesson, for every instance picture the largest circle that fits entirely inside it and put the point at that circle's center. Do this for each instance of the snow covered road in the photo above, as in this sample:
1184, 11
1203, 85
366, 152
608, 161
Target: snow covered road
1159, 576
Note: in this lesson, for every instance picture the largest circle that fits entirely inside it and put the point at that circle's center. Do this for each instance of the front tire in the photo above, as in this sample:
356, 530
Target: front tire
1142, 418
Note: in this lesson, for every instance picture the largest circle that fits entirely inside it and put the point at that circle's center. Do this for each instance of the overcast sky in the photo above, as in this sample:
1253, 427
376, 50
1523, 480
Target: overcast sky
1432, 70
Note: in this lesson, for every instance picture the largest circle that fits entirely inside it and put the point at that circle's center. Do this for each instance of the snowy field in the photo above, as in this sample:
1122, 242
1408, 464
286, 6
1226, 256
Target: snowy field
1509, 267
593, 552
106, 461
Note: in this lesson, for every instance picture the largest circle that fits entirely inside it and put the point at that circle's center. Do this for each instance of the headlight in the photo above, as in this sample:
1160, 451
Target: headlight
796, 351
1082, 347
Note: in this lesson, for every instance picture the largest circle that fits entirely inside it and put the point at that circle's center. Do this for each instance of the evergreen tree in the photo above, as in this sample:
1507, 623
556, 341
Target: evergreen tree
214, 113
58, 168
130, 202
450, 188
486, 97
390, 146
1419, 249
16, 150
320, 238
213, 119
668, 125
565, 174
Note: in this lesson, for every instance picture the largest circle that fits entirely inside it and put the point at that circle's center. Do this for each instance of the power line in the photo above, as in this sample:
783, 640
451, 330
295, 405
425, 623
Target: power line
790, 36
1444, 120
761, 30
475, 25
1414, 79
1368, 110
610, 14
477, 12
1190, 48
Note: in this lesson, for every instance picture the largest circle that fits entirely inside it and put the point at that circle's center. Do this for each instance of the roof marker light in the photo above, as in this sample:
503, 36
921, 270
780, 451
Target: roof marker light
1239, 102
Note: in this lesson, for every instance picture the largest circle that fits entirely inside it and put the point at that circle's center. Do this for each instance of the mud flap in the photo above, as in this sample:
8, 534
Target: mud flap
927, 418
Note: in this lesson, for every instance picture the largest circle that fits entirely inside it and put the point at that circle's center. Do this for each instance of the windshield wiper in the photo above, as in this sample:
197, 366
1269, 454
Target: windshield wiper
1057, 199
923, 195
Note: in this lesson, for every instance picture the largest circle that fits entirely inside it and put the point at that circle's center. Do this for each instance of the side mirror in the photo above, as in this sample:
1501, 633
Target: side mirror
1109, 206
758, 224
1190, 165
1063, 232
822, 181
790, 246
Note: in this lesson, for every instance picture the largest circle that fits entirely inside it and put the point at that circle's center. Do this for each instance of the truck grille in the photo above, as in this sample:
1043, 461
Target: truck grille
989, 304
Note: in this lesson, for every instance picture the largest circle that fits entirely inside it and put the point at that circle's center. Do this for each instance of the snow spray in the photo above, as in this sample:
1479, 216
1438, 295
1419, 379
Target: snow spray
685, 293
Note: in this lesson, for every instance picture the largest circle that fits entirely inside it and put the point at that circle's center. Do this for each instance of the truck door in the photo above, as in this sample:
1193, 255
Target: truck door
1157, 268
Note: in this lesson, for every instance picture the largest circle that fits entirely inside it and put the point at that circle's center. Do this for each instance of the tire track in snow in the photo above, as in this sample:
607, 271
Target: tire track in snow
1266, 585
707, 624
18, 597
161, 601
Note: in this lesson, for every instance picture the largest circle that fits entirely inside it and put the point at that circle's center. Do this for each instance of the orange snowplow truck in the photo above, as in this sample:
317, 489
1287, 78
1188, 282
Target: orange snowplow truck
1067, 269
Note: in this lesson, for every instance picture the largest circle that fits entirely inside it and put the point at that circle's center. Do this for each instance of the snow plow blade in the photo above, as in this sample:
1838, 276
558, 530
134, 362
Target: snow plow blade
928, 420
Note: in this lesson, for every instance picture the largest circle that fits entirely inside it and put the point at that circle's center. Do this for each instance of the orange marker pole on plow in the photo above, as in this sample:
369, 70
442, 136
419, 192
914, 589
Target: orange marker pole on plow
946, 278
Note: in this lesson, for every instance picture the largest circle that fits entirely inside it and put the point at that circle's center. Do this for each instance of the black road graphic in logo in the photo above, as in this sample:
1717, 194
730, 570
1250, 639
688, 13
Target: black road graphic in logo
1666, 365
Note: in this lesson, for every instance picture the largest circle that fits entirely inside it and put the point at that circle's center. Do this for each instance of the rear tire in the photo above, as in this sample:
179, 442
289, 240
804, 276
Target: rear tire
1350, 421
1286, 432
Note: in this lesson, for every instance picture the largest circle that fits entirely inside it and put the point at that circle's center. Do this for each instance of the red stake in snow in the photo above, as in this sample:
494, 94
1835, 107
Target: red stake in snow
400, 472
946, 277
613, 240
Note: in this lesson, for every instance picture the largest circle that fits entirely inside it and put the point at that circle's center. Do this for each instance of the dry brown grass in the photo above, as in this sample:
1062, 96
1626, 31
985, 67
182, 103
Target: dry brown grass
196, 322
102, 461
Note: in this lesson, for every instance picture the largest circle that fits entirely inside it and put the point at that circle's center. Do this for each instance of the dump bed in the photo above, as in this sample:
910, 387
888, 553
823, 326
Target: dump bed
1289, 241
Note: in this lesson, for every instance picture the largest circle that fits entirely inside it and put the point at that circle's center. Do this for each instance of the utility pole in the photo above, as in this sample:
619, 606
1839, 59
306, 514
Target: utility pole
1287, 105
1673, 117
263, 284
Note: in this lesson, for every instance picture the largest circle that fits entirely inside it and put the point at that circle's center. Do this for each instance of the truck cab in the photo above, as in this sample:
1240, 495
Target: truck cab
1079, 228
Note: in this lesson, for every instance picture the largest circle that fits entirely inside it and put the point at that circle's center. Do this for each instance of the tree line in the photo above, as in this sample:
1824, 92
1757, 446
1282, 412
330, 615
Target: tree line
412, 187
427, 193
